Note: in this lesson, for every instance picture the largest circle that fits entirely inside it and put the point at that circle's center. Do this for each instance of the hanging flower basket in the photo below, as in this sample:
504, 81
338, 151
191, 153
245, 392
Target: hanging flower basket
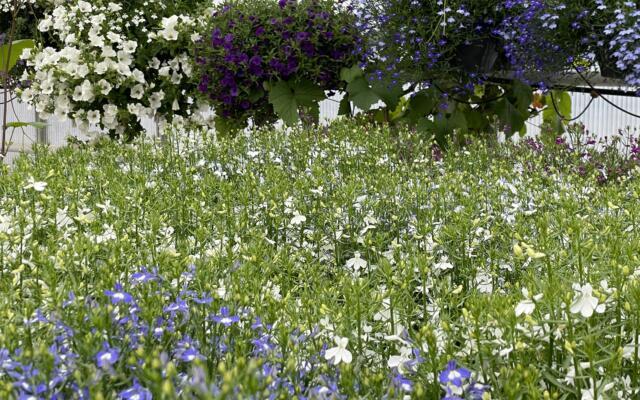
478, 56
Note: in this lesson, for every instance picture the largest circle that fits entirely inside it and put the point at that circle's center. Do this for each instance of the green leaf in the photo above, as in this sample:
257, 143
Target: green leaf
255, 95
400, 109
361, 94
446, 125
476, 120
286, 99
282, 97
13, 56
389, 95
421, 104
228, 126
510, 116
20, 124
349, 74
550, 115
345, 106
522, 96
307, 93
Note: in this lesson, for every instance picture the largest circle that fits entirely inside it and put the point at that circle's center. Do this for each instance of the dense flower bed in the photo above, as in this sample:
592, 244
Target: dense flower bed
318, 264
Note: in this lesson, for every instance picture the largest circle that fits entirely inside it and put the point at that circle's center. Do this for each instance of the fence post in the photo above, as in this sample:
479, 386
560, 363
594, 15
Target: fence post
41, 133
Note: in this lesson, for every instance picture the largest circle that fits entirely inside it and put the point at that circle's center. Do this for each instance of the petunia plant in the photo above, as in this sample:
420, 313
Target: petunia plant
265, 60
113, 63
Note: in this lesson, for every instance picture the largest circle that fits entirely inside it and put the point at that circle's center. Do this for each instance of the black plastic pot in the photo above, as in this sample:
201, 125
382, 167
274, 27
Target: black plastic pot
478, 56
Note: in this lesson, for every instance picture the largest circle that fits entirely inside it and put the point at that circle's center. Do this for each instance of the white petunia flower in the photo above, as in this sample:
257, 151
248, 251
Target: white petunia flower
169, 31
129, 46
155, 100
339, 354
137, 91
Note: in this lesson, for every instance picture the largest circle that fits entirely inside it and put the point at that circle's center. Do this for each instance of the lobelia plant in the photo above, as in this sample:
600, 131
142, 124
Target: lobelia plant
114, 63
624, 45
264, 60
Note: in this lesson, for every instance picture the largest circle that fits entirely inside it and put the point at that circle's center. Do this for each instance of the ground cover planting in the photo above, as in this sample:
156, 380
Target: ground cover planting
338, 262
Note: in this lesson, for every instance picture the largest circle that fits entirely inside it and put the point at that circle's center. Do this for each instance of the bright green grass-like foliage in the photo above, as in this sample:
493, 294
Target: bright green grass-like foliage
236, 269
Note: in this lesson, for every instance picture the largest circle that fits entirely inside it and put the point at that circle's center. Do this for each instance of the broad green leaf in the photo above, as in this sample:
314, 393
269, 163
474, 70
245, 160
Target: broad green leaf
20, 124
307, 93
510, 116
389, 95
522, 96
345, 106
361, 94
446, 125
282, 97
349, 74
427, 127
13, 56
476, 120
256, 94
421, 104
286, 99
400, 109
380, 115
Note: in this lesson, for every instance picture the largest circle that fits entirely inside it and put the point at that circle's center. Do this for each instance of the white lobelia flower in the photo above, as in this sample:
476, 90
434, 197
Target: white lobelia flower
298, 219
443, 264
585, 303
398, 361
528, 305
36, 185
339, 354
356, 262
168, 31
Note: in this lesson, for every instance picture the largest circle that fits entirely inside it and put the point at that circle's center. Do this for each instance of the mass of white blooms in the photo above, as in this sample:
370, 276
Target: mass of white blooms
10, 5
112, 65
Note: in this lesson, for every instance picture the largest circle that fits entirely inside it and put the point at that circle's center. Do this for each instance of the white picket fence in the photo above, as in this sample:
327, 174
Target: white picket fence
600, 119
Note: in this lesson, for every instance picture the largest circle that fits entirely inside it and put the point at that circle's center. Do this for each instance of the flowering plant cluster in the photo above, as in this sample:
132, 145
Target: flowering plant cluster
346, 267
411, 40
114, 63
265, 59
624, 41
